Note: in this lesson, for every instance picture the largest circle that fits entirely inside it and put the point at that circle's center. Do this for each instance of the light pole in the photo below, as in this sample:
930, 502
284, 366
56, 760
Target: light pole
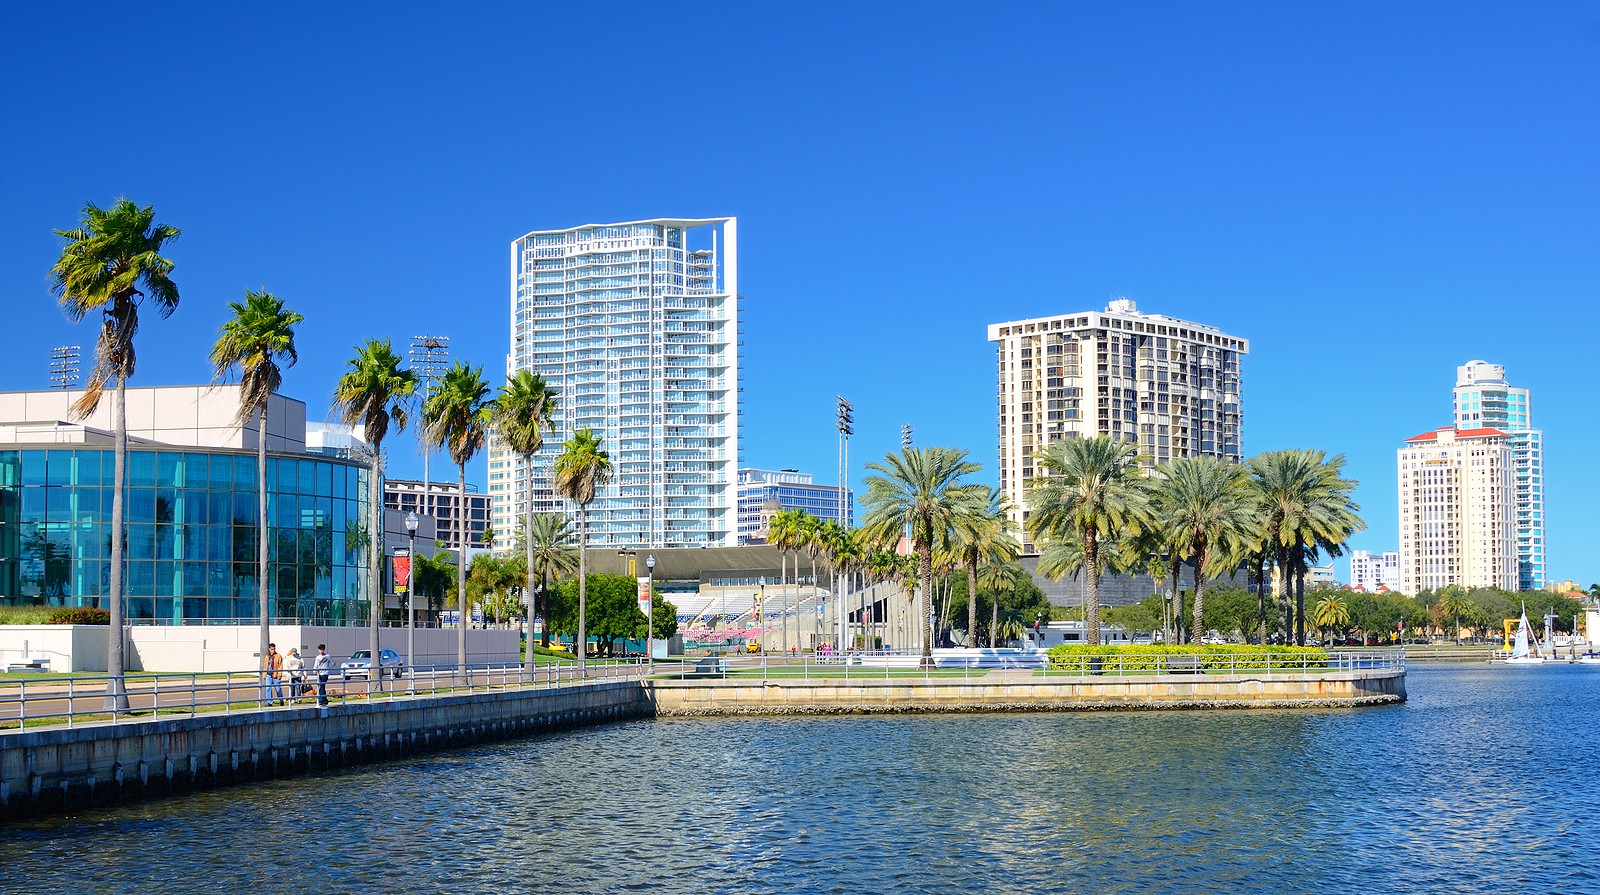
846, 421
650, 617
411, 598
761, 599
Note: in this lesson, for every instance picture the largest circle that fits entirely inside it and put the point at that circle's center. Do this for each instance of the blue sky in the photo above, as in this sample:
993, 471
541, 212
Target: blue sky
1371, 193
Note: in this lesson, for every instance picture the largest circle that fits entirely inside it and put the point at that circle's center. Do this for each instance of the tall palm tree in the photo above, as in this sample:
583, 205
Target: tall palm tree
1330, 613
1203, 506
111, 265
1091, 492
784, 530
456, 416
919, 491
582, 469
372, 393
1306, 506
522, 416
550, 551
998, 578
258, 336
982, 537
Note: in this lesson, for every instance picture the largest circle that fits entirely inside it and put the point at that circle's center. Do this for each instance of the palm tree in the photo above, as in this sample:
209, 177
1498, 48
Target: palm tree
1091, 492
456, 417
258, 336
581, 470
549, 550
1203, 506
1453, 604
981, 537
784, 531
998, 578
372, 393
1330, 612
1305, 505
918, 491
522, 417
432, 574
112, 264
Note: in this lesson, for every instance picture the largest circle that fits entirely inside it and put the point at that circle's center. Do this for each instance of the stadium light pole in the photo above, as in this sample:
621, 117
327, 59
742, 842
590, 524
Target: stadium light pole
846, 421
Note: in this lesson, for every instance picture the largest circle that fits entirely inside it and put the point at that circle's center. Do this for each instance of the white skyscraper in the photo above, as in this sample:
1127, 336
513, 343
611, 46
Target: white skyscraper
1372, 572
1171, 384
1457, 524
1483, 399
636, 326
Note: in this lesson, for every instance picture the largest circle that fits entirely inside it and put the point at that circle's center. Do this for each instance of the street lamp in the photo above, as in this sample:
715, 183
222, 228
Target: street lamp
412, 522
650, 617
761, 599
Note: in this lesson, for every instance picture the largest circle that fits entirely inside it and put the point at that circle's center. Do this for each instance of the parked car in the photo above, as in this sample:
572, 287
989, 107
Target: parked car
1214, 639
359, 664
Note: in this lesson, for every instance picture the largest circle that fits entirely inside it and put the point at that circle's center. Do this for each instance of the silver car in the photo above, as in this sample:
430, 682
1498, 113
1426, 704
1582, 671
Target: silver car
359, 665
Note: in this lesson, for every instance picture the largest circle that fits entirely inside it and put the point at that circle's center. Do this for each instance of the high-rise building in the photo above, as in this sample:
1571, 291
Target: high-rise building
443, 502
1483, 399
636, 325
1372, 572
1170, 384
1457, 524
764, 492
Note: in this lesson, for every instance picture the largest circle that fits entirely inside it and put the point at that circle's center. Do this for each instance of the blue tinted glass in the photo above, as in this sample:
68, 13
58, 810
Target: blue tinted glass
307, 471
194, 507
141, 578
218, 582
141, 469
33, 508
194, 608
33, 463
138, 505
246, 509
58, 469
221, 509
141, 608
169, 470
244, 472
324, 479
168, 576
275, 475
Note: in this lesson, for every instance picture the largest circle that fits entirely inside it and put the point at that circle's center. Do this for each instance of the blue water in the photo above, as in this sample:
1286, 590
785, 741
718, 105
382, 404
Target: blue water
1484, 781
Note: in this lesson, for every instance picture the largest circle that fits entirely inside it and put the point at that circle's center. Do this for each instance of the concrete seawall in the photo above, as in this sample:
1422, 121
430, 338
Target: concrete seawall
1025, 692
54, 771
51, 771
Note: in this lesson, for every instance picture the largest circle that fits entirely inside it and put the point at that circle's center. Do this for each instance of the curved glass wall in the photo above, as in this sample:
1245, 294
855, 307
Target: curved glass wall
191, 534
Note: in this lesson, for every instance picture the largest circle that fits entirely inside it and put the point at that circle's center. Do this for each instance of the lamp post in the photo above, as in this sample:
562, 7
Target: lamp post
761, 599
650, 617
412, 522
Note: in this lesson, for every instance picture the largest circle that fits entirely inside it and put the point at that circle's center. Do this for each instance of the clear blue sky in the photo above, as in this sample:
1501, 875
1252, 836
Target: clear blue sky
1371, 193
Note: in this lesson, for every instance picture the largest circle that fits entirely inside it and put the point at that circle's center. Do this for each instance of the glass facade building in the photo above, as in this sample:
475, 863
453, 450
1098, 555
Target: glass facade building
191, 533
763, 492
1483, 398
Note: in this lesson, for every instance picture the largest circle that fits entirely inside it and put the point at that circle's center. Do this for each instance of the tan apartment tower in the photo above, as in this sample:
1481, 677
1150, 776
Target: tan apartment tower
1458, 510
1170, 384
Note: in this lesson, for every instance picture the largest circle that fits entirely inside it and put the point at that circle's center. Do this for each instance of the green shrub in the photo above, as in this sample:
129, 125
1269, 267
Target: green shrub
80, 615
1075, 657
24, 615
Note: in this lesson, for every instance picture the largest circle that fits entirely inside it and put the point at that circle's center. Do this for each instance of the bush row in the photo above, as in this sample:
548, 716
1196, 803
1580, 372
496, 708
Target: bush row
81, 615
1154, 657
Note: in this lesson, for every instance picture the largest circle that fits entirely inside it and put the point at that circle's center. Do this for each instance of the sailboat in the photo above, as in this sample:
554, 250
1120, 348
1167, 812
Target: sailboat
1521, 654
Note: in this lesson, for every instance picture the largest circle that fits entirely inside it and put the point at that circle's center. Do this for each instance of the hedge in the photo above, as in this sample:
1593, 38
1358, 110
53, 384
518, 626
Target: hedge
81, 615
1075, 657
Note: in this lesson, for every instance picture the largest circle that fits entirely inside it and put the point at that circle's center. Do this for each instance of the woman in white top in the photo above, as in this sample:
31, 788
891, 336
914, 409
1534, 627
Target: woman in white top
293, 664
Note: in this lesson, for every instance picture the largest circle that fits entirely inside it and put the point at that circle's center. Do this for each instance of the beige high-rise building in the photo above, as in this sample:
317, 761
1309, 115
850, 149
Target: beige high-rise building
1171, 384
1458, 510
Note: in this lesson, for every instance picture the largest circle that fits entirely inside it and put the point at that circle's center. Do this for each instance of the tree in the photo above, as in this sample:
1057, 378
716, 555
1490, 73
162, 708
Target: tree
456, 417
433, 575
786, 531
1453, 604
255, 339
1330, 613
492, 582
581, 470
111, 265
1090, 491
981, 537
1202, 505
549, 542
918, 491
999, 578
1306, 506
612, 611
522, 416
372, 393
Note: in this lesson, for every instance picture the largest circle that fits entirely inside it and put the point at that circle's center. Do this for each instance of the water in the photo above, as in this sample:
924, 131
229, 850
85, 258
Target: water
1484, 782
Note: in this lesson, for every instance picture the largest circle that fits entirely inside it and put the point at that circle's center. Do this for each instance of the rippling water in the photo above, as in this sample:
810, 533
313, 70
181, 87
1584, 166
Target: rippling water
1484, 782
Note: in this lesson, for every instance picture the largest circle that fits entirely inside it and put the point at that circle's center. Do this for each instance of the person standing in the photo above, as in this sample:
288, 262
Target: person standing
295, 666
272, 678
322, 664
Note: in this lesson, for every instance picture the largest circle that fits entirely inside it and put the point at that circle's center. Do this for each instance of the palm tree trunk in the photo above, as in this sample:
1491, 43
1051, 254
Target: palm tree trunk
1285, 592
527, 541
1299, 597
116, 691
994, 616
261, 530
924, 590
1175, 570
1199, 591
815, 595
1091, 600
972, 603
579, 646
461, 566
1261, 593
375, 573
544, 607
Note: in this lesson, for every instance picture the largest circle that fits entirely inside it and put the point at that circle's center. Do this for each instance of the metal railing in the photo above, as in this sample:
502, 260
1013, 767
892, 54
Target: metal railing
38, 701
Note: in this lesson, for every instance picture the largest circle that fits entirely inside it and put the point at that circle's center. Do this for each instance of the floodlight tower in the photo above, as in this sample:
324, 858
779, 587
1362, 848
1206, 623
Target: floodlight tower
846, 421
64, 366
429, 354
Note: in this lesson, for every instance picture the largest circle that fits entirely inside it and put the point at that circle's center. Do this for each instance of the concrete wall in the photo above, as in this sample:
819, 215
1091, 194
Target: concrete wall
992, 693
58, 770
217, 648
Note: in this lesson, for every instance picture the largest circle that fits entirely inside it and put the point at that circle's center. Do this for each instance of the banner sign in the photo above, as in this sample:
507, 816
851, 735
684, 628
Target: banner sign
402, 571
644, 596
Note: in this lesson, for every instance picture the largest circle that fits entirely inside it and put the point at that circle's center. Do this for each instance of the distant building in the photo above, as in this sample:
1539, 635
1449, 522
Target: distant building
1457, 522
764, 492
334, 440
1169, 384
1322, 576
1483, 399
1374, 572
443, 503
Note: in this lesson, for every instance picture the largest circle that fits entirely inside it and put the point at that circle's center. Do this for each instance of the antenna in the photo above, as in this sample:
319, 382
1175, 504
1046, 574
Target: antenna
64, 366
